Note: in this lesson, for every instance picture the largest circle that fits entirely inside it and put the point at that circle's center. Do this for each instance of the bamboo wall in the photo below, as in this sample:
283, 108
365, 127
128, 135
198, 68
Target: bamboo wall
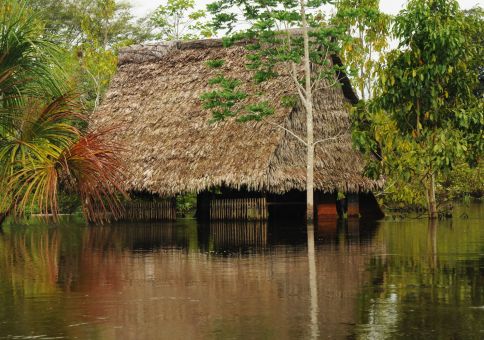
146, 211
248, 209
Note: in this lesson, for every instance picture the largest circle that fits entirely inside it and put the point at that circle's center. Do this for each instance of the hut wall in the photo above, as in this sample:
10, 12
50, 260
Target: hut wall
231, 205
361, 205
326, 206
163, 210
291, 206
249, 205
234, 209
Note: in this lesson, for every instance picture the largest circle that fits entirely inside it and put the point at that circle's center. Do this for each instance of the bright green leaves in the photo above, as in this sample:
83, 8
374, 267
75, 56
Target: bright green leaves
28, 63
179, 20
274, 47
368, 29
289, 101
430, 74
257, 112
215, 63
223, 99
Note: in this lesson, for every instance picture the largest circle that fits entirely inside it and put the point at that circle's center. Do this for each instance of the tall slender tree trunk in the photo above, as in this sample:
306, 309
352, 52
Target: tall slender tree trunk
309, 119
362, 73
432, 202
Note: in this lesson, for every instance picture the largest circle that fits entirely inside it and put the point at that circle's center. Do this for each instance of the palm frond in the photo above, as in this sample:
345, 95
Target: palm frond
39, 132
96, 171
89, 167
29, 62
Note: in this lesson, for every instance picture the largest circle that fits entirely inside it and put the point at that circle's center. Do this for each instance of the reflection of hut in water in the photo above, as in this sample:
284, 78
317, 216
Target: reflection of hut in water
240, 171
168, 293
353, 230
226, 235
142, 236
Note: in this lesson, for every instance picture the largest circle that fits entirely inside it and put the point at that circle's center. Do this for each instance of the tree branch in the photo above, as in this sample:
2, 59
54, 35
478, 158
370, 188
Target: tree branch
288, 131
300, 89
318, 80
292, 70
328, 139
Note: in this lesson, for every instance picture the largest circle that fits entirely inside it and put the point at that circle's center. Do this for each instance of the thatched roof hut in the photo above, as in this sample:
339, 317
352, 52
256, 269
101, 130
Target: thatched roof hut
172, 148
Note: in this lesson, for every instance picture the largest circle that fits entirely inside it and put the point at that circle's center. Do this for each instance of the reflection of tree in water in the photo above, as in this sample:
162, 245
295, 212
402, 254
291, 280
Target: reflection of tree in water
29, 266
29, 260
426, 283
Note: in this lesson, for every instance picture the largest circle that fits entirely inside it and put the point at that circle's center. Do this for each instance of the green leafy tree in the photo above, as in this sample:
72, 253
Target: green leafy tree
368, 28
284, 37
179, 20
475, 32
41, 150
93, 31
427, 117
108, 22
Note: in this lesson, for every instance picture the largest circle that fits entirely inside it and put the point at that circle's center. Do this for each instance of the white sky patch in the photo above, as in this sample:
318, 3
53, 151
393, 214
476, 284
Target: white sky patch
143, 7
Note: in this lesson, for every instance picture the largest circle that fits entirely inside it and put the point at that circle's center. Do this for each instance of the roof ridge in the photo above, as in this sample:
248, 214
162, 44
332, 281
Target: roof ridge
151, 52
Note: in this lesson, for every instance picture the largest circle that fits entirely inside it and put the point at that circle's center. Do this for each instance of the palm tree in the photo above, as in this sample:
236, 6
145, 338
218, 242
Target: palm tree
41, 147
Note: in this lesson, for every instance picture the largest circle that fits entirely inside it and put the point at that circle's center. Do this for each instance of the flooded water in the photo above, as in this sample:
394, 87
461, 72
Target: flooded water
345, 280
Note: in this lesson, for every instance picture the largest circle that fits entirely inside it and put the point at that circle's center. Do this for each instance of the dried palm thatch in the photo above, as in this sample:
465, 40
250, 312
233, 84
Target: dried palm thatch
173, 149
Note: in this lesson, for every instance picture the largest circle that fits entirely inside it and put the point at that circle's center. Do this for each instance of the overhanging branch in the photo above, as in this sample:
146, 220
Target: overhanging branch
288, 131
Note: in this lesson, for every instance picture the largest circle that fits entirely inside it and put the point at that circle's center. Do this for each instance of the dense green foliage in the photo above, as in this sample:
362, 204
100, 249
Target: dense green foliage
72, 23
42, 150
92, 32
426, 119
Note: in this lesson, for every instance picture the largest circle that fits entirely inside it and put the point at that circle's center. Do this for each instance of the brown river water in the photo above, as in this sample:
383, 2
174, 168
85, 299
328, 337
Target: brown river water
344, 280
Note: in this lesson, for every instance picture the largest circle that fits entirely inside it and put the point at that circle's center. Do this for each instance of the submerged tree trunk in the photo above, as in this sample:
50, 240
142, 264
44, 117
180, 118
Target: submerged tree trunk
309, 120
313, 284
432, 232
432, 202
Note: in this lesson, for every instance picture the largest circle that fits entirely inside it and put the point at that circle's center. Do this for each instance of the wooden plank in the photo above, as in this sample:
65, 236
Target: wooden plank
327, 209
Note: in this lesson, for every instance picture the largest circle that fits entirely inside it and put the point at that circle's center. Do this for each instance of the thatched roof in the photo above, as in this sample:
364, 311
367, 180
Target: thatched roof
155, 98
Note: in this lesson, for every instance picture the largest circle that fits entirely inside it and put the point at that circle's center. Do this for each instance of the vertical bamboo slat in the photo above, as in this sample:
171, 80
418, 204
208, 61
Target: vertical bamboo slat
143, 211
226, 209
